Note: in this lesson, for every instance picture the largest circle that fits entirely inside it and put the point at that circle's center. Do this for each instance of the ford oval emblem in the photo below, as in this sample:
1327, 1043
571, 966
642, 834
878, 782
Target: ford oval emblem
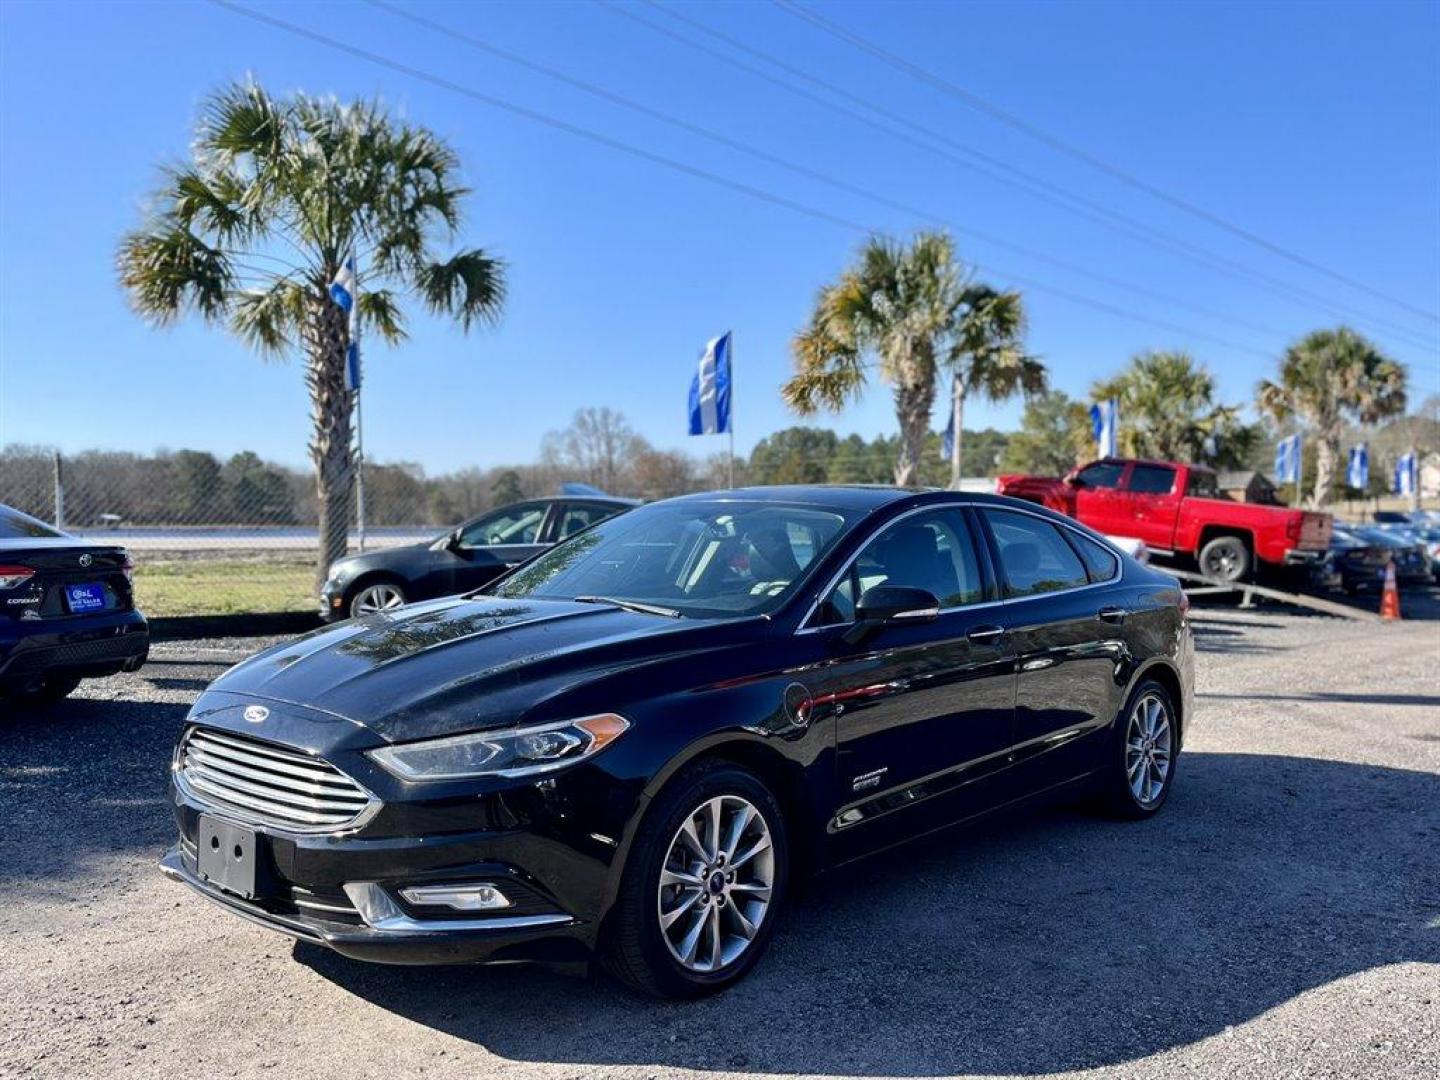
256, 714
86, 559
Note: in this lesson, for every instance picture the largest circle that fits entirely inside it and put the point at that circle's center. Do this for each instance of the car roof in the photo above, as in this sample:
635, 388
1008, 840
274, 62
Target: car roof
863, 497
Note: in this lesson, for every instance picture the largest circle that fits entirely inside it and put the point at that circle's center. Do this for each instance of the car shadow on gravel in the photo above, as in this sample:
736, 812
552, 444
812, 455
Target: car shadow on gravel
1032, 944
81, 781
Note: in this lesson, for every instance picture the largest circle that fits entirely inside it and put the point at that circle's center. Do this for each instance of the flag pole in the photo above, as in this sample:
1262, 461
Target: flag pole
730, 419
359, 422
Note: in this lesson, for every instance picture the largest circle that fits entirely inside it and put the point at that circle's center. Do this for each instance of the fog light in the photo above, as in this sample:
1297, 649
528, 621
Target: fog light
478, 897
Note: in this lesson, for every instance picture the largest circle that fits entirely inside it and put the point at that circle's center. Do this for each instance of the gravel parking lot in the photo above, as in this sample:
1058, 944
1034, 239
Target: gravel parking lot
1280, 918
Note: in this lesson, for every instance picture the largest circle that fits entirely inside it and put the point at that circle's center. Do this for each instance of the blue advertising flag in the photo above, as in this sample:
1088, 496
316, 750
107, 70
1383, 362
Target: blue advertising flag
1357, 473
1287, 460
710, 389
345, 291
1405, 474
1104, 421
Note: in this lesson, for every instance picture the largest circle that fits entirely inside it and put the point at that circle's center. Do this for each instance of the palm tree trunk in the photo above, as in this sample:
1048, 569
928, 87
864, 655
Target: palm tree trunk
1327, 452
326, 338
912, 409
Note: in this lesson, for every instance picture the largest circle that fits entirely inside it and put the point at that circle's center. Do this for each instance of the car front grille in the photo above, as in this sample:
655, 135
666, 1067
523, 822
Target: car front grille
268, 782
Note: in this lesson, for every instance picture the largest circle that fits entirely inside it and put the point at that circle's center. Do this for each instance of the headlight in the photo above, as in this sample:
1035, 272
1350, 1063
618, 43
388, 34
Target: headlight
514, 752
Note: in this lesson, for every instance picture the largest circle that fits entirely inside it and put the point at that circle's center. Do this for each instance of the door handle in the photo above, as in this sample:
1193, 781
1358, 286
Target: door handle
1112, 614
982, 635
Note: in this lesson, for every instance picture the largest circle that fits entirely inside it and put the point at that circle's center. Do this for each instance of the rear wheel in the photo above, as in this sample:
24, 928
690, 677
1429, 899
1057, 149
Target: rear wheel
705, 877
1226, 558
375, 597
1141, 770
40, 691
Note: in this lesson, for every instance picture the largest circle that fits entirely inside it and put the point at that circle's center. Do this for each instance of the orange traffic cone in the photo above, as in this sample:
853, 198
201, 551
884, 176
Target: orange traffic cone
1390, 598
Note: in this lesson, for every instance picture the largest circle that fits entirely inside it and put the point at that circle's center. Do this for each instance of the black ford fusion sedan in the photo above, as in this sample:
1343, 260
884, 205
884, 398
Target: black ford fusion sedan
632, 745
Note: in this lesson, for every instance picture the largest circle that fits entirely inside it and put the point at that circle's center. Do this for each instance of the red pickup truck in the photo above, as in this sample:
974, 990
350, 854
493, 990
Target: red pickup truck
1176, 509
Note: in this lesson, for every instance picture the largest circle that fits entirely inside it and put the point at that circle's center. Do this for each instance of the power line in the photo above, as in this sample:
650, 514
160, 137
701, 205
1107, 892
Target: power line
804, 170
683, 167
975, 101
1036, 186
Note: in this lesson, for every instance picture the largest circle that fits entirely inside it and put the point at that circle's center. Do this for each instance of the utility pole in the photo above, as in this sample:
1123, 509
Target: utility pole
955, 422
59, 492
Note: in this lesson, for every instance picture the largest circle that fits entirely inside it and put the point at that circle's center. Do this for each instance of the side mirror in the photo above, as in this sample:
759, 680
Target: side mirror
886, 604
452, 542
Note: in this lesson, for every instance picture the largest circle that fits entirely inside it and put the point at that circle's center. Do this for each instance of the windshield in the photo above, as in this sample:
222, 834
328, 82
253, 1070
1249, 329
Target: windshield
14, 526
701, 559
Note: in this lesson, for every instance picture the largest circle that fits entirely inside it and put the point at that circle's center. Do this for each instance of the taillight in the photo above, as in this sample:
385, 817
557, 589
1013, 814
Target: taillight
1184, 603
1295, 526
12, 577
128, 569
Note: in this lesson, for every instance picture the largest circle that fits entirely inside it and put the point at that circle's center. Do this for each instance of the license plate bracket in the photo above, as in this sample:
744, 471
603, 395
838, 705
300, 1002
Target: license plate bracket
85, 597
229, 857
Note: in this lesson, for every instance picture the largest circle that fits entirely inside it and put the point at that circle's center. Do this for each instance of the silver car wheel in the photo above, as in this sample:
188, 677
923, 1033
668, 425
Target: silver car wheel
716, 883
1147, 749
376, 598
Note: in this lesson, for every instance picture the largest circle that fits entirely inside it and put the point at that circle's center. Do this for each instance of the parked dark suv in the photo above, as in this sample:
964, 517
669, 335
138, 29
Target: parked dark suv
633, 743
67, 612
467, 557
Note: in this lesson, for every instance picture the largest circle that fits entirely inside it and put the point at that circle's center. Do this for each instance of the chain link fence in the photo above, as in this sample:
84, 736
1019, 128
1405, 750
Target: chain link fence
212, 536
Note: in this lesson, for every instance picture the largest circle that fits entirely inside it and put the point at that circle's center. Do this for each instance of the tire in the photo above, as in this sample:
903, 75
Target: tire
1124, 795
1226, 558
40, 692
634, 946
375, 595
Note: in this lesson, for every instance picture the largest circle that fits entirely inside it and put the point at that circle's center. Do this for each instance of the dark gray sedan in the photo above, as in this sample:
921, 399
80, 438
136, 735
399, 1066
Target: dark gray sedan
467, 557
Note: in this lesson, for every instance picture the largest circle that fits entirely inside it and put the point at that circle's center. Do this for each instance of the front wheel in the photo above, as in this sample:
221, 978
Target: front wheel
1141, 768
376, 597
704, 880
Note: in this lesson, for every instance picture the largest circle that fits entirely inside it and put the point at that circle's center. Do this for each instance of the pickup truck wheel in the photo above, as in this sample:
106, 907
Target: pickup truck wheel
1226, 558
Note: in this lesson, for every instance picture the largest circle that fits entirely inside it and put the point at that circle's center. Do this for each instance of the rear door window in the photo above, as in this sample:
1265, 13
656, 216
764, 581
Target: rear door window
1151, 480
933, 551
1034, 557
1100, 561
578, 516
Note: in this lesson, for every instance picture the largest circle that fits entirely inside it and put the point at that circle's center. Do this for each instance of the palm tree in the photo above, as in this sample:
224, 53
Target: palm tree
1167, 407
249, 233
917, 311
1327, 378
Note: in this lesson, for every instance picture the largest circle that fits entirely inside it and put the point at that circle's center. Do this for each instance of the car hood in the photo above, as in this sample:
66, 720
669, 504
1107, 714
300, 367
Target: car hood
459, 664
406, 555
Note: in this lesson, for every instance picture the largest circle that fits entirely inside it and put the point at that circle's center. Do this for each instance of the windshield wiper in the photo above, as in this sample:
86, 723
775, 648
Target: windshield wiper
630, 605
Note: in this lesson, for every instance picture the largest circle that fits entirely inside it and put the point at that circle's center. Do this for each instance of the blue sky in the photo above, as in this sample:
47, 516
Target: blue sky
1316, 126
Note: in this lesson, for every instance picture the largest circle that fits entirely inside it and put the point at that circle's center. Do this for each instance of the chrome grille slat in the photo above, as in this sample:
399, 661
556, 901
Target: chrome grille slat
283, 796
265, 806
294, 757
317, 786
269, 782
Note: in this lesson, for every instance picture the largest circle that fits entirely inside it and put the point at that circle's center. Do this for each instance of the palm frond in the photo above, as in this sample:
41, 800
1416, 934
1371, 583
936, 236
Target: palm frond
469, 286
828, 371
268, 319
380, 311
168, 270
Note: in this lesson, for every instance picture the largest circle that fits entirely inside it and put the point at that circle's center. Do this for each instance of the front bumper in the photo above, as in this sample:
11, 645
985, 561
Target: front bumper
551, 846
378, 930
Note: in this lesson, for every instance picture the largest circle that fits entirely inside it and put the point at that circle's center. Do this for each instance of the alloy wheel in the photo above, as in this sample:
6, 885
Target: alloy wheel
376, 598
1147, 749
716, 883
